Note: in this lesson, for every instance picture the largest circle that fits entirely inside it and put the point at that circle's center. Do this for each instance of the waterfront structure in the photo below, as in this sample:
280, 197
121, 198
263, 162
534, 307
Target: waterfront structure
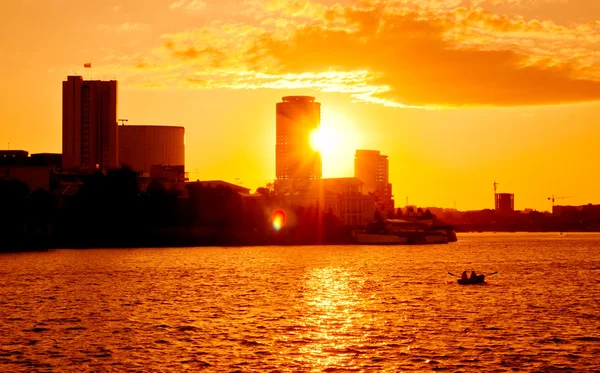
141, 147
372, 169
297, 165
505, 202
89, 124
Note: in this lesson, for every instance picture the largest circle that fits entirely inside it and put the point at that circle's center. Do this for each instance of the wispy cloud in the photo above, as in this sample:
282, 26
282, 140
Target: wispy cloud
192, 5
124, 27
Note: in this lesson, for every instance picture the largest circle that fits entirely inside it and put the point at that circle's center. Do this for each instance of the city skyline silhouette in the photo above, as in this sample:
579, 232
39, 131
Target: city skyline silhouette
453, 111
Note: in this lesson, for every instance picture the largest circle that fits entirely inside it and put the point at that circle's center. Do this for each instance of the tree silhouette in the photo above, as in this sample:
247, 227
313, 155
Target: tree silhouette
399, 213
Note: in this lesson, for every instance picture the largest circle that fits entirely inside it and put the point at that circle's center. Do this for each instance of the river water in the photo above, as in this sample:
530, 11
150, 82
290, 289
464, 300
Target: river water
322, 309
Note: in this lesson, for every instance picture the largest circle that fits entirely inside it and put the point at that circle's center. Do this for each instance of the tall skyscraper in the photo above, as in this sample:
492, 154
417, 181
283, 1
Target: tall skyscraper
296, 162
90, 139
372, 169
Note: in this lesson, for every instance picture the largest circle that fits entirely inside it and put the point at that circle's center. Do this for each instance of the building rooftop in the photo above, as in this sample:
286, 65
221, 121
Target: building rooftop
150, 126
215, 183
360, 152
297, 98
79, 77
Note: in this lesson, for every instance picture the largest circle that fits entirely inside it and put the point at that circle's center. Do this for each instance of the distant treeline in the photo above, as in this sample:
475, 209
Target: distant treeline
111, 210
585, 220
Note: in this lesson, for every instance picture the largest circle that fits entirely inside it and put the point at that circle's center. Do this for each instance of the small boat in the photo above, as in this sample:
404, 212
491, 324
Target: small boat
479, 279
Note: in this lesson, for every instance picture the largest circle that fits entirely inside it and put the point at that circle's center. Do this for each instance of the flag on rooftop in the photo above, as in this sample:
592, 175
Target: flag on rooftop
89, 64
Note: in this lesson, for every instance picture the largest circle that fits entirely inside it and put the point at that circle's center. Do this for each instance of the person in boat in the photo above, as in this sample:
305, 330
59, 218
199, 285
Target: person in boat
464, 276
473, 275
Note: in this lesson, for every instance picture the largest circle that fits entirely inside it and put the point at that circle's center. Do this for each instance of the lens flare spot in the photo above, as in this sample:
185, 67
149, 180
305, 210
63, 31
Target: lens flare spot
278, 219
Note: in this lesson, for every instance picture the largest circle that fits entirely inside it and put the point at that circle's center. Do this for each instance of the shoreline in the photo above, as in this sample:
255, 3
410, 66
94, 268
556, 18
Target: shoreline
176, 244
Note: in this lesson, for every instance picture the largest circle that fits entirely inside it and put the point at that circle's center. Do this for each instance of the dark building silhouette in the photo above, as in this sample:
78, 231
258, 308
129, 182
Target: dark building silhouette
296, 162
90, 139
13, 154
142, 147
505, 202
372, 169
17, 165
50, 159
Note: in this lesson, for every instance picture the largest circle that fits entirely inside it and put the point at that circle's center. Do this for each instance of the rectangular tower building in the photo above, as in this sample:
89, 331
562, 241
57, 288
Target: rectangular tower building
296, 162
372, 169
505, 202
90, 139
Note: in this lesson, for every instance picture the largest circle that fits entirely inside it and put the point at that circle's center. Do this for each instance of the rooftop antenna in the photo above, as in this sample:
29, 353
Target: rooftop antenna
122, 121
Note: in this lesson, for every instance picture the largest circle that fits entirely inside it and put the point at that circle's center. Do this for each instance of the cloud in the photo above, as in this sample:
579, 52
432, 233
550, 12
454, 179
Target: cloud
192, 5
395, 53
418, 65
124, 27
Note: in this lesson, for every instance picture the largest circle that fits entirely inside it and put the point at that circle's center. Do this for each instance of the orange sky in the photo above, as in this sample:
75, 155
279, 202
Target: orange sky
458, 93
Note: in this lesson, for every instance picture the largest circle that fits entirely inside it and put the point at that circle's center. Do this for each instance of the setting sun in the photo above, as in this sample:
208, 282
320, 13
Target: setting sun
336, 139
324, 140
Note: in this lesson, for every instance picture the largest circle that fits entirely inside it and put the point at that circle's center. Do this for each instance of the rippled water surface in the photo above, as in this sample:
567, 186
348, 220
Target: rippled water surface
332, 308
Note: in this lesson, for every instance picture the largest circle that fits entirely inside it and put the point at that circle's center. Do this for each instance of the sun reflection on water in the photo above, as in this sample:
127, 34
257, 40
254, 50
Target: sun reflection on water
330, 316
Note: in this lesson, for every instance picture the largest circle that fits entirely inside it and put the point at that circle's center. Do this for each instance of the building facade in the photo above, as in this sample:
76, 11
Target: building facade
372, 169
53, 160
36, 177
142, 147
297, 164
90, 139
505, 202
349, 204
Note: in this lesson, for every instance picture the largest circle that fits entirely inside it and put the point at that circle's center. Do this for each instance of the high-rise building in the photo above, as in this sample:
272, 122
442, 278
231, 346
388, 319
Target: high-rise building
141, 147
90, 139
372, 169
296, 162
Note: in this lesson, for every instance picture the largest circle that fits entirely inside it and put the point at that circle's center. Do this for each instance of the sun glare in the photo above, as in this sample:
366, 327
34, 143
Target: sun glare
325, 140
336, 139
